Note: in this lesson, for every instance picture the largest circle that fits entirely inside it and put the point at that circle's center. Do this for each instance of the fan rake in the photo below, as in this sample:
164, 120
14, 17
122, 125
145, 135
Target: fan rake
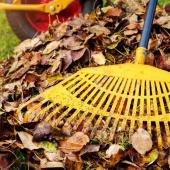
124, 97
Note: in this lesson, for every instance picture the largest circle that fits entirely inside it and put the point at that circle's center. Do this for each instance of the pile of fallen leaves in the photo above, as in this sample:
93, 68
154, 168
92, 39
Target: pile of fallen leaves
107, 36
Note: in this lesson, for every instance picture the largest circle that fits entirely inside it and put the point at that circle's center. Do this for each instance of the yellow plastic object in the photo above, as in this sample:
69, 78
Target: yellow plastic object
52, 7
140, 55
123, 96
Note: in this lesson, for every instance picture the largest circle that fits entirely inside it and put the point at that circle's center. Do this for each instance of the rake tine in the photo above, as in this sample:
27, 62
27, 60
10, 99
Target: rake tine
131, 130
53, 113
43, 111
73, 116
62, 116
78, 122
167, 132
85, 85
141, 112
79, 84
124, 123
113, 129
159, 137
120, 109
154, 98
163, 112
166, 96
29, 112
18, 112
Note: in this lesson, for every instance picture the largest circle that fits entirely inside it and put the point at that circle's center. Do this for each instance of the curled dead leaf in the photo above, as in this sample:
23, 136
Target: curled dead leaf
54, 156
54, 45
74, 143
28, 44
99, 58
115, 159
113, 150
162, 159
164, 60
99, 30
72, 43
44, 163
27, 140
42, 131
76, 55
164, 21
114, 12
130, 32
90, 149
169, 161
141, 141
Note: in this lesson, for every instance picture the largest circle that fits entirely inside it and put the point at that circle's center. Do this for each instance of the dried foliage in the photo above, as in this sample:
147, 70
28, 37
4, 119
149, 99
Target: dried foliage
107, 36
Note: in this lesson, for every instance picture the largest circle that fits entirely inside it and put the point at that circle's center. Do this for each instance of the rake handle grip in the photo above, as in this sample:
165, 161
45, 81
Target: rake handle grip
148, 23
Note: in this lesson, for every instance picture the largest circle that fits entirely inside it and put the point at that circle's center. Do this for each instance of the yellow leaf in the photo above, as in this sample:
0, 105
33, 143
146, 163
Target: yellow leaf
151, 157
57, 77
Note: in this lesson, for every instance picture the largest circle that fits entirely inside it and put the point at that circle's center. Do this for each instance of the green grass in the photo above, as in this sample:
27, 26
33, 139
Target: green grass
8, 39
163, 1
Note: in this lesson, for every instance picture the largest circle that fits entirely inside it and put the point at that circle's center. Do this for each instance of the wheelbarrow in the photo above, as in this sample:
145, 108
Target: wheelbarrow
28, 17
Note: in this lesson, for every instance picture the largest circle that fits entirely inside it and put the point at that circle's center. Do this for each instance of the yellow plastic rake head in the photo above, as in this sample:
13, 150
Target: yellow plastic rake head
120, 97
123, 96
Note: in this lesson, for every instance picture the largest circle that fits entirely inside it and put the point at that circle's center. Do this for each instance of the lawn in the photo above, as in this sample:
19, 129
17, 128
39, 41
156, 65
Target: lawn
8, 39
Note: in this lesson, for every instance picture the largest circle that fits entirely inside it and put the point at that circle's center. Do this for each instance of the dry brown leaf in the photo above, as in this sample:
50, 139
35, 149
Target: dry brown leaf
99, 30
133, 18
169, 161
133, 25
130, 163
164, 60
44, 163
74, 143
68, 59
114, 12
54, 45
4, 162
76, 55
90, 149
54, 156
113, 150
132, 168
130, 32
115, 159
72, 43
28, 44
164, 21
43, 130
136, 6
27, 140
15, 66
74, 162
141, 141
10, 106
31, 78
18, 74
36, 58
150, 59
56, 63
162, 159
99, 58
